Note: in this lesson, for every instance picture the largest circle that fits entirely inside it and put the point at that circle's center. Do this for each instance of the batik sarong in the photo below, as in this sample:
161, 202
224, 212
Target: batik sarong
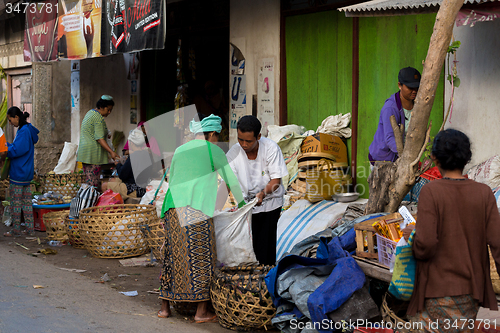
447, 314
190, 255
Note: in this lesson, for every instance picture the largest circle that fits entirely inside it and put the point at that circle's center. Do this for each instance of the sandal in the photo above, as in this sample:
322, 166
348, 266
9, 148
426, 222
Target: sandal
11, 234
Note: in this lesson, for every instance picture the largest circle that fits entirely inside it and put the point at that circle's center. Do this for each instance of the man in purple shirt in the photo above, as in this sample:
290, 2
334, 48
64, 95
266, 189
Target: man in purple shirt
399, 105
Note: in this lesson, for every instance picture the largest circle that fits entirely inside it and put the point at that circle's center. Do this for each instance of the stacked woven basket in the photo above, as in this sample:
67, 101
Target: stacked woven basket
55, 226
114, 231
65, 184
241, 299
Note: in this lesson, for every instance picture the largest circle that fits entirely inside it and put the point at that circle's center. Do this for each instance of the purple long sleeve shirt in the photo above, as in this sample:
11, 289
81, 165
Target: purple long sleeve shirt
383, 147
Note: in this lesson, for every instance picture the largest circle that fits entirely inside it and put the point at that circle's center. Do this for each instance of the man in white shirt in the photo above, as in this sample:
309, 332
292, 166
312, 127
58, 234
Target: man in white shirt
259, 165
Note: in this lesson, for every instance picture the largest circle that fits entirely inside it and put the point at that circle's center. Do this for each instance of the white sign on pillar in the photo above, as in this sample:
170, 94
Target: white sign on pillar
265, 94
238, 104
75, 101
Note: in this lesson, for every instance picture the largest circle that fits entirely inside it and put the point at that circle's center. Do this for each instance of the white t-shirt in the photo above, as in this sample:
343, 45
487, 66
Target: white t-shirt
407, 119
254, 175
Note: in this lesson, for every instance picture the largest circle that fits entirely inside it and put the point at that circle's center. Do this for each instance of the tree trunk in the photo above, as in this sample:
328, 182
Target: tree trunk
392, 187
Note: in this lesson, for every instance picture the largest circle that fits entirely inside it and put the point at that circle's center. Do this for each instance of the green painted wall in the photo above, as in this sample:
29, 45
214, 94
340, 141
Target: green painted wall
387, 44
319, 70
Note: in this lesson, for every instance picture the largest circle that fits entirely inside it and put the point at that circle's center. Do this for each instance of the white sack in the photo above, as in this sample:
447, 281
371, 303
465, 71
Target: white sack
487, 172
233, 234
276, 133
337, 125
150, 193
67, 161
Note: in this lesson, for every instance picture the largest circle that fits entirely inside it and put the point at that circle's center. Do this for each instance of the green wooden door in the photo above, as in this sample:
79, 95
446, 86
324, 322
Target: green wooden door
387, 44
319, 70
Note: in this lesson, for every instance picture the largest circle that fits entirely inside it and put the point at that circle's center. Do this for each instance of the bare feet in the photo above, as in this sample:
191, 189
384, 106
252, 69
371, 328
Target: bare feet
203, 315
165, 309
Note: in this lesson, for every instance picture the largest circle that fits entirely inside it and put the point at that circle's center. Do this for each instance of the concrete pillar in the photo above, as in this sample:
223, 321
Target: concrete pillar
50, 113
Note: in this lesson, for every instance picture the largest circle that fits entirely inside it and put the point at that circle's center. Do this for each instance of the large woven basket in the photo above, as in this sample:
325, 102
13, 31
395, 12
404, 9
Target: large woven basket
65, 184
73, 233
4, 185
495, 278
154, 233
241, 299
54, 225
114, 231
391, 309
185, 308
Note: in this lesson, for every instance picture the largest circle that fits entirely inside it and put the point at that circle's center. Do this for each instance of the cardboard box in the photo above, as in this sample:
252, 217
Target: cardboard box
325, 146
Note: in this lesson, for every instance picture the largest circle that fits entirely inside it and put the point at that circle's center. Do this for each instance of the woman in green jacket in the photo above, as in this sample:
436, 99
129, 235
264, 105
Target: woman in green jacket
188, 210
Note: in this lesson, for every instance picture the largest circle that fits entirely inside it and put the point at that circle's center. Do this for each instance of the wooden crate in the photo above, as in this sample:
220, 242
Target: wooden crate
366, 228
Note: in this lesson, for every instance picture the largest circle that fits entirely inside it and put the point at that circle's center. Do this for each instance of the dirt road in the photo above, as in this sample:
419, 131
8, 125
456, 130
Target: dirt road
78, 302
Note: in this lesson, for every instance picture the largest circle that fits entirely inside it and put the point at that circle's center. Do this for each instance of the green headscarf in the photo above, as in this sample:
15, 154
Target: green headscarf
208, 124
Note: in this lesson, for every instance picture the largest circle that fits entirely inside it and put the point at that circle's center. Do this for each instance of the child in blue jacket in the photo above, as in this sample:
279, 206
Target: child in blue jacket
21, 155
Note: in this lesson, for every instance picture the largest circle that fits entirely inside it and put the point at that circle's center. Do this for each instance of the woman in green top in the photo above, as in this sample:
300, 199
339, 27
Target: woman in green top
188, 209
93, 149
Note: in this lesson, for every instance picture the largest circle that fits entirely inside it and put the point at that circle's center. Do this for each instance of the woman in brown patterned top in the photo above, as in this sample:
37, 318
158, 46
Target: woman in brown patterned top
457, 219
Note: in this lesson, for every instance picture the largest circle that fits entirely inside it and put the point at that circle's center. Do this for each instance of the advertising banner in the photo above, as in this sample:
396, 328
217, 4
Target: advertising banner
79, 31
471, 17
132, 25
40, 34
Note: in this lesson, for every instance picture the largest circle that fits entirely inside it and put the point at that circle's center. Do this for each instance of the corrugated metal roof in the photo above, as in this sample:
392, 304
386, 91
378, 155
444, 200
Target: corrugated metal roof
383, 7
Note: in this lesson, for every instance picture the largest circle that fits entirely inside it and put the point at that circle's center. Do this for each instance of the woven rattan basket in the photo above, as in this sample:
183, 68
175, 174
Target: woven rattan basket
4, 185
73, 233
54, 225
114, 231
495, 278
65, 184
391, 309
154, 233
185, 308
241, 299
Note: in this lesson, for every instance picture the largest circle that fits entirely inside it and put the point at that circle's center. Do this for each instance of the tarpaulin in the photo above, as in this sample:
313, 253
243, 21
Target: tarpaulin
40, 34
343, 278
133, 25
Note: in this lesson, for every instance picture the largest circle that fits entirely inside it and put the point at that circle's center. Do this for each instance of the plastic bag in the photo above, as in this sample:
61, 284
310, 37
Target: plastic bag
402, 242
109, 198
403, 277
67, 161
150, 192
6, 218
233, 234
86, 197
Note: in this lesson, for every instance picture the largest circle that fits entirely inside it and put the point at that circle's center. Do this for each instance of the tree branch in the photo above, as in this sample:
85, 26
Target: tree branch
411, 172
398, 135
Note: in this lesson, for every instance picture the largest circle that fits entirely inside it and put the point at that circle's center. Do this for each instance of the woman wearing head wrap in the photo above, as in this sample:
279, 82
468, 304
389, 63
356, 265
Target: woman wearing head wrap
188, 210
93, 149
126, 184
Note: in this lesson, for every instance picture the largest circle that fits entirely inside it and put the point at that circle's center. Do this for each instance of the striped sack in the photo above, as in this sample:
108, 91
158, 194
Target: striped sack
305, 219
86, 197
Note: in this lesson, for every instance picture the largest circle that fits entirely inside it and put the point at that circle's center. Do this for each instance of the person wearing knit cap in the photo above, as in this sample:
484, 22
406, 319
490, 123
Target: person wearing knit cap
126, 183
93, 149
188, 210
152, 143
